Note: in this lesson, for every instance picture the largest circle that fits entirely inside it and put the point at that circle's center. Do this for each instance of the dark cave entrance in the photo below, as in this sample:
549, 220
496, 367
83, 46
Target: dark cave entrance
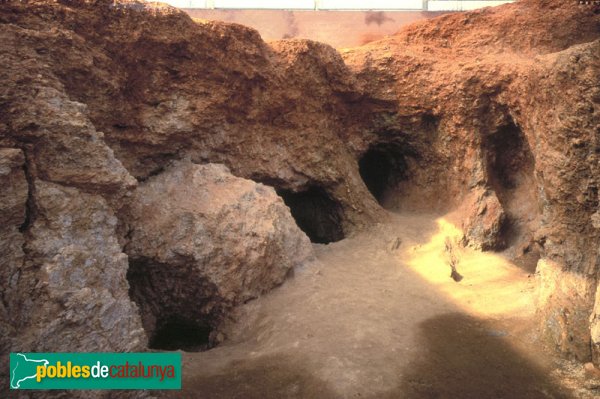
382, 167
510, 172
316, 213
169, 301
508, 157
179, 333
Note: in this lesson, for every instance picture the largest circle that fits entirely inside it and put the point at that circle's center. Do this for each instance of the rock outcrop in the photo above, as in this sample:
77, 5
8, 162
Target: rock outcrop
495, 109
13, 200
483, 220
201, 241
514, 100
72, 287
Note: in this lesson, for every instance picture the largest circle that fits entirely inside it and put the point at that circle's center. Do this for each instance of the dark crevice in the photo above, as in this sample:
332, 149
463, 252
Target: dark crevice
155, 165
382, 167
175, 306
30, 203
179, 333
508, 157
121, 126
27, 221
152, 173
510, 170
430, 122
316, 213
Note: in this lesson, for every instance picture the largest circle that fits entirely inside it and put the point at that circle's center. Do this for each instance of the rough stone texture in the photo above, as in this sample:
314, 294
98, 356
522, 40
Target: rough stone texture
516, 111
595, 329
37, 113
203, 241
13, 198
76, 293
483, 219
71, 294
63, 287
567, 132
160, 87
562, 322
501, 101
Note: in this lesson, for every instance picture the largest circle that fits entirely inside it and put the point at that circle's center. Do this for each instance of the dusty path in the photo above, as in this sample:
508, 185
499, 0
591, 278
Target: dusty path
379, 316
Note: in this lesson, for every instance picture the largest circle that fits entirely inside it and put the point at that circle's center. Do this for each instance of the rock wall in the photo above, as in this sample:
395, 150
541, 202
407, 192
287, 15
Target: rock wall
492, 114
13, 200
515, 100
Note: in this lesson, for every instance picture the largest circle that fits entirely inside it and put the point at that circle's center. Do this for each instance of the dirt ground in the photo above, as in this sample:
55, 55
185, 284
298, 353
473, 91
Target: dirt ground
378, 316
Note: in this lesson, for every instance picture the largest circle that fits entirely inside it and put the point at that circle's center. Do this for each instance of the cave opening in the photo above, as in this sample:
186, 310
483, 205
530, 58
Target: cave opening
177, 333
509, 158
171, 306
316, 213
382, 167
510, 173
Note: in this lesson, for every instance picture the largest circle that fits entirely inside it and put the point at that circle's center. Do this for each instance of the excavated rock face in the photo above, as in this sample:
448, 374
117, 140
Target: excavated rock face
13, 199
201, 241
74, 277
492, 114
64, 280
566, 127
514, 97
161, 87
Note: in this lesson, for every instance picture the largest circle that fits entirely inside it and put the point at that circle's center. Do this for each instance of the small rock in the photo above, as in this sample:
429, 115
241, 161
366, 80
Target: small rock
591, 371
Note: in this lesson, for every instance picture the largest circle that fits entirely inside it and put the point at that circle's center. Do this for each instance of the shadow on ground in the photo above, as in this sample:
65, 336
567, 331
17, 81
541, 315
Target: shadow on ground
265, 377
363, 323
462, 357
466, 358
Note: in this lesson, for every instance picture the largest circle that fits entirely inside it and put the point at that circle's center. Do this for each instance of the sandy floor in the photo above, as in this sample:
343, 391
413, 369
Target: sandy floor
378, 316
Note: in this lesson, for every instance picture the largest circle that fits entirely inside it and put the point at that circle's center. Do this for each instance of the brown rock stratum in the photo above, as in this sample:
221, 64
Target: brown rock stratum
136, 146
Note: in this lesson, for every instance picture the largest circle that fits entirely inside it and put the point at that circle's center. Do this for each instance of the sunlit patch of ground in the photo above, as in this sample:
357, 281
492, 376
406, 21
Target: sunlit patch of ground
490, 285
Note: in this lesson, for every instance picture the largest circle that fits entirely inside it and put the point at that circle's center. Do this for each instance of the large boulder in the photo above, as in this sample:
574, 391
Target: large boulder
202, 241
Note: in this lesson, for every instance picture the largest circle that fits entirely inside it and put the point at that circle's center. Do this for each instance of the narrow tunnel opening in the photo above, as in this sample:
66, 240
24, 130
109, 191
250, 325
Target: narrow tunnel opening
179, 333
316, 213
510, 172
509, 159
173, 306
382, 167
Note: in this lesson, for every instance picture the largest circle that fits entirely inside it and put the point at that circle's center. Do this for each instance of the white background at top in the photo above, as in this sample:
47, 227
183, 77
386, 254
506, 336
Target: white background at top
277, 4
301, 4
371, 4
432, 5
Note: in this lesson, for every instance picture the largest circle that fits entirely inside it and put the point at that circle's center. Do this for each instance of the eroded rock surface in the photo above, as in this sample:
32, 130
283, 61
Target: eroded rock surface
494, 112
483, 220
13, 199
516, 112
74, 277
202, 241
